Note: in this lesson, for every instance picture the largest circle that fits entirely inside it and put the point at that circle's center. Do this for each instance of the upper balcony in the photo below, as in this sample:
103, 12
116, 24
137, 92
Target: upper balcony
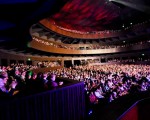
47, 46
137, 28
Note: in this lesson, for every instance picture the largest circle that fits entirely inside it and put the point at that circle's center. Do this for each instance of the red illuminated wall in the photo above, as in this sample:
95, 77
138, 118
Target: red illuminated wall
86, 15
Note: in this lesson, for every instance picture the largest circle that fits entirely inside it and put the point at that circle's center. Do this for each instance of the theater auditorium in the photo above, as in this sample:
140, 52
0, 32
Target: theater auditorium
74, 59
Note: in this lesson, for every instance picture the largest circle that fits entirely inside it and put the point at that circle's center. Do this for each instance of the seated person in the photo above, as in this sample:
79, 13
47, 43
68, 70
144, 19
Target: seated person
4, 91
52, 81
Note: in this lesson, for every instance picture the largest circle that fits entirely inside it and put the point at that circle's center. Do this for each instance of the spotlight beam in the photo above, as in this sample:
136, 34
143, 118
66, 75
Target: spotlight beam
136, 6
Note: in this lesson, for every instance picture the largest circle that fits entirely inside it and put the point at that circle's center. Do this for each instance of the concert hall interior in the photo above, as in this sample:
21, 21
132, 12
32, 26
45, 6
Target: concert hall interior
74, 59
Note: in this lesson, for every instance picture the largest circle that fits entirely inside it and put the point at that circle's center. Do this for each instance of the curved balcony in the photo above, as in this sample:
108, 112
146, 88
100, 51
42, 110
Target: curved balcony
94, 35
103, 34
52, 49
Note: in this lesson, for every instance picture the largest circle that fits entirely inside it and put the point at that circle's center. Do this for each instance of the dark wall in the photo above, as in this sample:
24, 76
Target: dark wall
65, 103
77, 62
67, 63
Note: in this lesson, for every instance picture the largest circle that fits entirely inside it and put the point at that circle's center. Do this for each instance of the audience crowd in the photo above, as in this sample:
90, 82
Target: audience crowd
109, 82
129, 60
102, 82
48, 64
20, 80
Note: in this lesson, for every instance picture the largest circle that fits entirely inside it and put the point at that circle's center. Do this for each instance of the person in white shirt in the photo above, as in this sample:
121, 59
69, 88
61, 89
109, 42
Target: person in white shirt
98, 93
